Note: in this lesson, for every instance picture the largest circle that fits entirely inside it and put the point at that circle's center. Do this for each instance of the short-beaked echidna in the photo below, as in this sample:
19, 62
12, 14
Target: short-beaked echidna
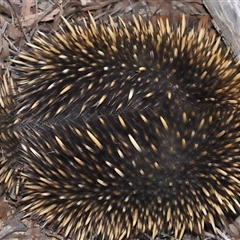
125, 127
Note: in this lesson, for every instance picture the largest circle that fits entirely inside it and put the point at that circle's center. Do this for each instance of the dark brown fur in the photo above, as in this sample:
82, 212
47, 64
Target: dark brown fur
126, 128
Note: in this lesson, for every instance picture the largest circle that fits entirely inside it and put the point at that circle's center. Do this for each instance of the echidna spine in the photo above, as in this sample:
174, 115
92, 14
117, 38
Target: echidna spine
127, 128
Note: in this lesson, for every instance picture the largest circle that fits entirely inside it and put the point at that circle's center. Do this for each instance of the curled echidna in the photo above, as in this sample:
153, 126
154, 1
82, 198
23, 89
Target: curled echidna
124, 128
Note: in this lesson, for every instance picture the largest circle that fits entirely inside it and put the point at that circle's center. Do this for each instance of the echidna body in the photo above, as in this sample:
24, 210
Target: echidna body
126, 128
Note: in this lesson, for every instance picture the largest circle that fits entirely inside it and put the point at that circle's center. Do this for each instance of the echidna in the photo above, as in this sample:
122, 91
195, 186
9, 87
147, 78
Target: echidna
123, 128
